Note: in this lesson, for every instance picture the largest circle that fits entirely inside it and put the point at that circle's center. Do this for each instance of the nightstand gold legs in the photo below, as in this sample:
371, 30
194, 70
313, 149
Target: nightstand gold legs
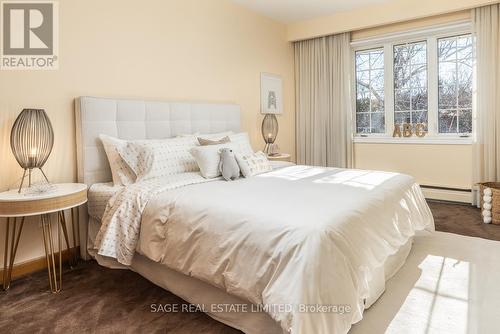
61, 218
53, 255
75, 228
48, 243
10, 254
54, 261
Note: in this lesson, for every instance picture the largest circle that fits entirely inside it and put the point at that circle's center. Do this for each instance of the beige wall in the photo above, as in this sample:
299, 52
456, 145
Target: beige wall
433, 165
160, 49
391, 11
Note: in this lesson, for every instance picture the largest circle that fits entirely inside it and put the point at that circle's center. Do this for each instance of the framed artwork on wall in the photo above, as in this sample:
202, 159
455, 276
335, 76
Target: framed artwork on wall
271, 94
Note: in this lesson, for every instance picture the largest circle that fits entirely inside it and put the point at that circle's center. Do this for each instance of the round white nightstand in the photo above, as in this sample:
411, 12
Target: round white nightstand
280, 157
15, 205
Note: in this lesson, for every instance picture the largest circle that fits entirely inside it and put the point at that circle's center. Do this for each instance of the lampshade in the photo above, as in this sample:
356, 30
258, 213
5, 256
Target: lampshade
31, 139
269, 130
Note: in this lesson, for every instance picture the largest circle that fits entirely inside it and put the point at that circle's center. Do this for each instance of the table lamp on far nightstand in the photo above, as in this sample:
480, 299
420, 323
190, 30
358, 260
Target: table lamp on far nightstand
269, 133
31, 141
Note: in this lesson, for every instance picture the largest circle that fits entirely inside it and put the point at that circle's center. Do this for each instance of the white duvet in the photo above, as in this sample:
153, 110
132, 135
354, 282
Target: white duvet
292, 239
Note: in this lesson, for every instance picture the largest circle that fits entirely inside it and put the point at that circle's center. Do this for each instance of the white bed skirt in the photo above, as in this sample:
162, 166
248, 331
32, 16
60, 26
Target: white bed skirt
197, 292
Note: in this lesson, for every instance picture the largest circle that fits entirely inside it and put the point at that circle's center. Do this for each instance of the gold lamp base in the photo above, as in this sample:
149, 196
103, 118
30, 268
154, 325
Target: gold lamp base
29, 170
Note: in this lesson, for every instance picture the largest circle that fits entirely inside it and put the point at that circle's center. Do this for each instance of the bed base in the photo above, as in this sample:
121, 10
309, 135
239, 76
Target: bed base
197, 292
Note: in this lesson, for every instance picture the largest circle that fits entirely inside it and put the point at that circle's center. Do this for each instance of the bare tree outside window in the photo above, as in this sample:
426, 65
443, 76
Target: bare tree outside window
370, 111
455, 56
410, 83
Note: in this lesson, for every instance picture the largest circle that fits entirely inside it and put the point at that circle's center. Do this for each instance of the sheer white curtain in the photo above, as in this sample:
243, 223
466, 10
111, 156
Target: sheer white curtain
323, 101
486, 25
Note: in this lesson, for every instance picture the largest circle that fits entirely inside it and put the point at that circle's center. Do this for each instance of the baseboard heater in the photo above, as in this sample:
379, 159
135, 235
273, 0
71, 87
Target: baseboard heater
462, 195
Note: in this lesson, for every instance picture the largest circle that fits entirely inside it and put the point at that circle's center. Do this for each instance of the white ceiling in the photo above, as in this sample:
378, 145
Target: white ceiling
296, 10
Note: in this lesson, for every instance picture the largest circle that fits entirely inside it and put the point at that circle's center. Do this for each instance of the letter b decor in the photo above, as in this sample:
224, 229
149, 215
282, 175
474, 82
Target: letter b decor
408, 130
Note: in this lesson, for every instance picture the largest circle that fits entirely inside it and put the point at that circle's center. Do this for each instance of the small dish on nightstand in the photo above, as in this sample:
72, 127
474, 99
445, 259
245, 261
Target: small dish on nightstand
280, 157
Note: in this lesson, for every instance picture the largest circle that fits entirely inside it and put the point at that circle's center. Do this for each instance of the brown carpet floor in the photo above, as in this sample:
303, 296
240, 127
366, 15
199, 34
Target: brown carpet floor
462, 219
95, 299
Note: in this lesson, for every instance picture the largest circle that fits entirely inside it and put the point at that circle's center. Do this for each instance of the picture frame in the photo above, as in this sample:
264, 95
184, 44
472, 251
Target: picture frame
271, 94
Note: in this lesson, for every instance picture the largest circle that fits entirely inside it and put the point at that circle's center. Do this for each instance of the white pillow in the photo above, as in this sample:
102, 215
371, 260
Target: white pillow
241, 143
158, 158
122, 174
253, 164
208, 159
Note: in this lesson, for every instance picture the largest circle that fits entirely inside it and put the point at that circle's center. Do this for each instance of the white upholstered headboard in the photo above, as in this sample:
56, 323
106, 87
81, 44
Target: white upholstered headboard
138, 119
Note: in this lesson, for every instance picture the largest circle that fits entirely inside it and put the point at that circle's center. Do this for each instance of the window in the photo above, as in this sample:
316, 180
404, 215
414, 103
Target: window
417, 77
410, 83
455, 84
370, 115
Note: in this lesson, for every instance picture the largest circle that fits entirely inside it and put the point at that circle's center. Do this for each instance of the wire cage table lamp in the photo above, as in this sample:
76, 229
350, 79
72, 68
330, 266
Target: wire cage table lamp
31, 141
269, 131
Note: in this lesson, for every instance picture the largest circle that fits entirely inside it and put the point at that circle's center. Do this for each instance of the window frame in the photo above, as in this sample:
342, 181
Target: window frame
356, 91
424, 41
473, 85
387, 43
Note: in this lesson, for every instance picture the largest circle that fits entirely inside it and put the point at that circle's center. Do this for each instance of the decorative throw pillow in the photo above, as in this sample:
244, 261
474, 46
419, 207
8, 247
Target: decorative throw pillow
208, 159
206, 142
241, 143
121, 173
158, 158
253, 164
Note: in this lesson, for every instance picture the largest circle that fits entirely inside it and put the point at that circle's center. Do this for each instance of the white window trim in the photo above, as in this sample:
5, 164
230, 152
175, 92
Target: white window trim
438, 140
387, 42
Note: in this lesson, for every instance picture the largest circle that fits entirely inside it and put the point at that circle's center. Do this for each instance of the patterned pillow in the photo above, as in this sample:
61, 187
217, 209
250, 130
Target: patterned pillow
253, 164
121, 173
157, 158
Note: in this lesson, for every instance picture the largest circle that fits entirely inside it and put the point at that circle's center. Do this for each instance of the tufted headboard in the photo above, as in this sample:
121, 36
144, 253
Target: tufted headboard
137, 119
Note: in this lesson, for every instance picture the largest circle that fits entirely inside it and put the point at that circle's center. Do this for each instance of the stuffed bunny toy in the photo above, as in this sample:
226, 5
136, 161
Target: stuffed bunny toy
228, 165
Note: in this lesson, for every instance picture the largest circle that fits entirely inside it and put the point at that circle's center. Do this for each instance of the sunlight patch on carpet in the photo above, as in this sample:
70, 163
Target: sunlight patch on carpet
439, 300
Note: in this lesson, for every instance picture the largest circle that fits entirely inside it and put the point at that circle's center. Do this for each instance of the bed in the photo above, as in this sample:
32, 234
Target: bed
302, 249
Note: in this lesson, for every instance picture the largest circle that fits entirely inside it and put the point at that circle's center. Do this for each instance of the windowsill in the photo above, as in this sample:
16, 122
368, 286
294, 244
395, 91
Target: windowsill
427, 140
